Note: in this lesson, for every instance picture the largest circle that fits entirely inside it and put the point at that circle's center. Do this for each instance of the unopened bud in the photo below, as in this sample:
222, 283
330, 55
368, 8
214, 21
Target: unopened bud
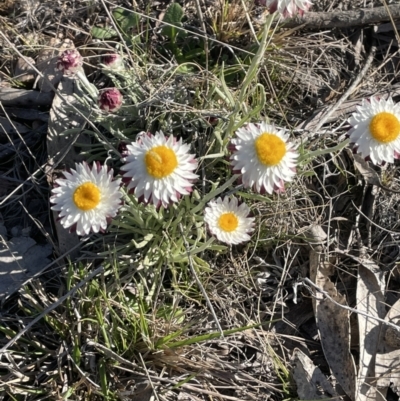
70, 61
110, 99
113, 61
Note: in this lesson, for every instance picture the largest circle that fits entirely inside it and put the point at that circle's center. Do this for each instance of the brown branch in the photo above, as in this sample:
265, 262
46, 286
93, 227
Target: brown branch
344, 19
25, 98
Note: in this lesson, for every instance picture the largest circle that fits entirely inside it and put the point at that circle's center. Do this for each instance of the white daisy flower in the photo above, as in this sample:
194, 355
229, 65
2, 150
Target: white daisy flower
160, 169
376, 129
263, 156
87, 198
288, 8
228, 221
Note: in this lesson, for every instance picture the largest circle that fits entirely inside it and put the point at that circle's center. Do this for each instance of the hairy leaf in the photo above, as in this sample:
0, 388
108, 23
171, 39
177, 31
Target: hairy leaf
125, 19
173, 16
103, 33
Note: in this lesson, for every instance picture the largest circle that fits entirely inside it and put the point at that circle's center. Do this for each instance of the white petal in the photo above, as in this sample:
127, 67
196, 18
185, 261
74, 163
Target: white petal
159, 189
361, 136
255, 174
91, 220
216, 208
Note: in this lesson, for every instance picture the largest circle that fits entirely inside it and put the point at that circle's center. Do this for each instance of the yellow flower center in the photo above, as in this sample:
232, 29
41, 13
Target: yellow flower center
87, 196
270, 149
160, 161
228, 222
384, 127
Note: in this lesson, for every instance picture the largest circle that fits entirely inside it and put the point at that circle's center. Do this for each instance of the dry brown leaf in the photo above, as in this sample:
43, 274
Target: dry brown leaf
20, 259
334, 327
333, 322
310, 381
369, 175
387, 361
370, 300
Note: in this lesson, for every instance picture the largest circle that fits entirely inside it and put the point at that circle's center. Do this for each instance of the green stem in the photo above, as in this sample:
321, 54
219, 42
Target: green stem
251, 73
90, 88
214, 194
320, 152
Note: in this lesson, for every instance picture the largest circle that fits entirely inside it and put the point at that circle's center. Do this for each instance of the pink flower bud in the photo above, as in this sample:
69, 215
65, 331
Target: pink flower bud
110, 99
70, 61
287, 8
113, 61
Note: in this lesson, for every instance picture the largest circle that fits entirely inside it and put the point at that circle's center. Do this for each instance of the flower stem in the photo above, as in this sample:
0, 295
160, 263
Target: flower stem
90, 88
251, 73
320, 152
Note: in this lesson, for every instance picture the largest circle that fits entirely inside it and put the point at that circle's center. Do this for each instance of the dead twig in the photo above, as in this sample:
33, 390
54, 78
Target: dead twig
25, 98
345, 19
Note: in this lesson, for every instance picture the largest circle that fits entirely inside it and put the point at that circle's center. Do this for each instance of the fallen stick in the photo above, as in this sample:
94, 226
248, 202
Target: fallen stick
25, 98
345, 19
25, 114
10, 127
